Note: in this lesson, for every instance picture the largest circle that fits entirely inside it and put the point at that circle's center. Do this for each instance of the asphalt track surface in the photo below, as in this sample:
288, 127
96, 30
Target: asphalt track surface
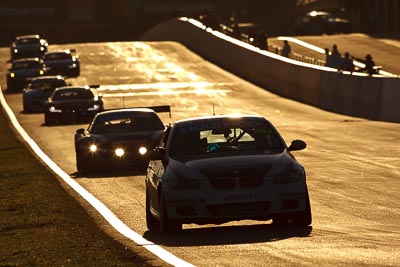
352, 164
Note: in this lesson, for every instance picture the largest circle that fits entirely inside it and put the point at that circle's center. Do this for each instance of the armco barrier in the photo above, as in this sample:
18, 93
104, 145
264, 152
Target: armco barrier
356, 95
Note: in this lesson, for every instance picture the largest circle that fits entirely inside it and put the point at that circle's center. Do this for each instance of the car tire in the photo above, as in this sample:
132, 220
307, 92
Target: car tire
166, 225
27, 108
84, 165
151, 222
302, 219
47, 120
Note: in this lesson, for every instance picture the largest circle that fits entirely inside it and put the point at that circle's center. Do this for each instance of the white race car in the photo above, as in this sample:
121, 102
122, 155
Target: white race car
224, 168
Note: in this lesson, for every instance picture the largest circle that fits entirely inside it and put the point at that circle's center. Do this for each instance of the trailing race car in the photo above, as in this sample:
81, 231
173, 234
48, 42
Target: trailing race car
28, 46
72, 104
39, 90
119, 138
321, 22
63, 63
225, 168
22, 70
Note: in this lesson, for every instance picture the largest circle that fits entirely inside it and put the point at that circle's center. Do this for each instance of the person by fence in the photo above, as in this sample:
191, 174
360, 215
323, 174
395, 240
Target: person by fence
286, 50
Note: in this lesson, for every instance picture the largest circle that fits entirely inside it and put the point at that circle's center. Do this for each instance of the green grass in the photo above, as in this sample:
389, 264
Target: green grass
41, 223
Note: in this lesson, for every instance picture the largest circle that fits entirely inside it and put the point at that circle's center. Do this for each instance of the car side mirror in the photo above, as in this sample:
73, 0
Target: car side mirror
80, 131
297, 145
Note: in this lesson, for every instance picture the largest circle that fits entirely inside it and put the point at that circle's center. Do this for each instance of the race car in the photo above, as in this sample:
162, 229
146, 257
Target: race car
28, 46
118, 139
64, 63
22, 70
72, 104
225, 168
39, 90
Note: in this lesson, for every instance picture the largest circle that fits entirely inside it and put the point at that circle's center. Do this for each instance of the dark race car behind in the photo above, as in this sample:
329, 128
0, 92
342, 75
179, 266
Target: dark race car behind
39, 90
72, 104
118, 139
28, 46
64, 63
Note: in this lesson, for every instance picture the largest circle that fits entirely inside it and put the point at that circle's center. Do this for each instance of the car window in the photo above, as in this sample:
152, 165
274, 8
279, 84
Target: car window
28, 41
73, 94
57, 56
126, 122
26, 65
45, 84
229, 138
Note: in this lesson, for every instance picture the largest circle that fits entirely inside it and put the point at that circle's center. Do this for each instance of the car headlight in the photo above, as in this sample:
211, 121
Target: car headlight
12, 75
53, 109
15, 51
93, 148
95, 107
288, 177
183, 184
119, 152
41, 72
142, 150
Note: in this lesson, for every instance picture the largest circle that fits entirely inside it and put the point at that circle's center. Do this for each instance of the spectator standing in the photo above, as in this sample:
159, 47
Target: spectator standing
369, 65
347, 63
336, 58
328, 58
286, 50
262, 40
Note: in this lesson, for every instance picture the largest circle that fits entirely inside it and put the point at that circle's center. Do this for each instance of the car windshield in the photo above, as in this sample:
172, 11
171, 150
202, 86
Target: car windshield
32, 40
227, 136
57, 56
26, 65
73, 94
47, 84
126, 122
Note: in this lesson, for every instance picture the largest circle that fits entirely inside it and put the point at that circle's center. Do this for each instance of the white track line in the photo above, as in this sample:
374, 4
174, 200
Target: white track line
107, 214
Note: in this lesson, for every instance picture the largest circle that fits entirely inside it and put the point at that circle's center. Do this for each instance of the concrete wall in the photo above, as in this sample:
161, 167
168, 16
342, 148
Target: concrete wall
373, 98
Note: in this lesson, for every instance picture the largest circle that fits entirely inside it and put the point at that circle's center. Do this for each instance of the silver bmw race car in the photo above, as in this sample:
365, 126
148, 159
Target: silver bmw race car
224, 168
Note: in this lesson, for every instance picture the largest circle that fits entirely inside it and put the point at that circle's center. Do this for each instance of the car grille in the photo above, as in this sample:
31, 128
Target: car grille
227, 183
239, 210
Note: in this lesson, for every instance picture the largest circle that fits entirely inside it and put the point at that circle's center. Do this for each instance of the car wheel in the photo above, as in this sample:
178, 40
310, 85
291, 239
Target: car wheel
151, 222
27, 108
47, 120
298, 219
166, 225
304, 218
84, 165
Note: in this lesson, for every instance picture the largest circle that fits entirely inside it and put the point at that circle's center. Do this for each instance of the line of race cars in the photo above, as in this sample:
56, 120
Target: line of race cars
30, 58
202, 170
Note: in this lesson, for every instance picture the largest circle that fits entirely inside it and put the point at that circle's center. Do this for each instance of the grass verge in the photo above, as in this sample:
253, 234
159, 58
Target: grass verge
41, 223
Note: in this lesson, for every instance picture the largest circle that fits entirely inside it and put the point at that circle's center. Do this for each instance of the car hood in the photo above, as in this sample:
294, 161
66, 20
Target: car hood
268, 164
129, 138
26, 72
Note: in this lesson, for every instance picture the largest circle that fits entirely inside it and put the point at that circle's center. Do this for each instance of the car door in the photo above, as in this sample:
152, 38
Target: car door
156, 170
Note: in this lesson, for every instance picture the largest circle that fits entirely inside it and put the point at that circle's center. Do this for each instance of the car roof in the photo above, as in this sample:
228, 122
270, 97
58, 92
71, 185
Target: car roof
318, 13
66, 51
126, 110
37, 36
29, 59
73, 87
48, 77
216, 117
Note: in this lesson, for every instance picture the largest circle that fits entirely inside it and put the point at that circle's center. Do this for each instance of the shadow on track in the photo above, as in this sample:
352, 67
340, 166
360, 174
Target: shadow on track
108, 174
225, 235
